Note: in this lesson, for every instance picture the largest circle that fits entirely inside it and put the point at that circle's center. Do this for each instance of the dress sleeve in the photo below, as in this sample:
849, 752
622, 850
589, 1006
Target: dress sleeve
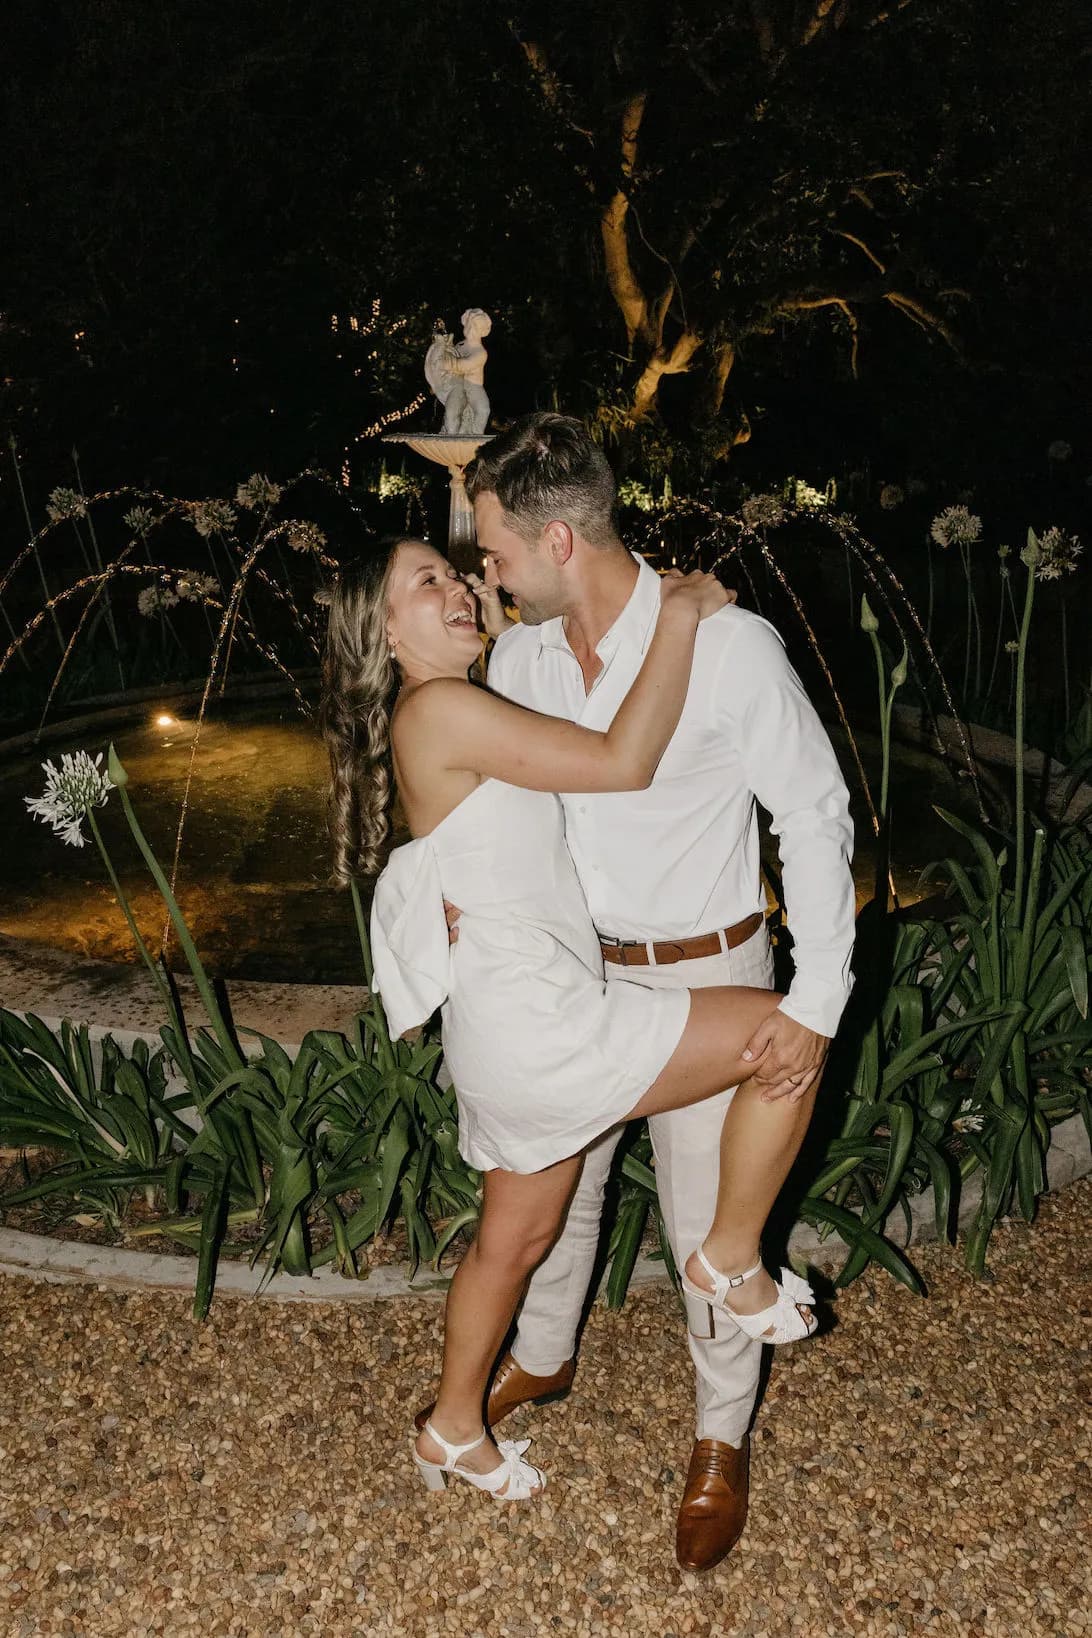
411, 953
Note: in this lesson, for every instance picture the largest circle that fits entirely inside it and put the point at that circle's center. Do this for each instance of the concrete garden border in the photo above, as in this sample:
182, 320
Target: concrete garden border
65, 1262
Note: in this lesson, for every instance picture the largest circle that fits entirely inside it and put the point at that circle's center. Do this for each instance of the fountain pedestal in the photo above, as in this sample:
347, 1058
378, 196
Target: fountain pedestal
454, 453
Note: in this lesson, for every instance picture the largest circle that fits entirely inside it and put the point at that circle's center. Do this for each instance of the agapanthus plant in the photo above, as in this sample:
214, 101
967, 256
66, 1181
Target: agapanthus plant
154, 599
213, 517
1058, 554
957, 526
304, 536
71, 791
194, 587
65, 503
257, 490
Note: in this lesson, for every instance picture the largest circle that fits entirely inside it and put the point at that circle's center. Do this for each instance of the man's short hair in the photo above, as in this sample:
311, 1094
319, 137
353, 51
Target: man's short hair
547, 466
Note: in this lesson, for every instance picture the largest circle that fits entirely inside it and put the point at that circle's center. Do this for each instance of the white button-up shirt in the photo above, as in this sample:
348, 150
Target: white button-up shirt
682, 857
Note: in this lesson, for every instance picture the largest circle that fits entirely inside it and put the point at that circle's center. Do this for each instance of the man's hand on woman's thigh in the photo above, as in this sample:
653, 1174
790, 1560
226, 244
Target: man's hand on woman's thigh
789, 1057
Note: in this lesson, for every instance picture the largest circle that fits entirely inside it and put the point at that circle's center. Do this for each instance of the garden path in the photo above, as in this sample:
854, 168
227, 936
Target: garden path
922, 1468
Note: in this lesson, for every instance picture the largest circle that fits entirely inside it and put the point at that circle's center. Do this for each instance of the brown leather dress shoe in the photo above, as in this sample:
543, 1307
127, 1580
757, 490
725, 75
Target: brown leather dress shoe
714, 1504
512, 1386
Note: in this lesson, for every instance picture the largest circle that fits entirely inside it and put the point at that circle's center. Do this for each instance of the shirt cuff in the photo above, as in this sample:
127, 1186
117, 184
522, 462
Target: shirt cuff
817, 1005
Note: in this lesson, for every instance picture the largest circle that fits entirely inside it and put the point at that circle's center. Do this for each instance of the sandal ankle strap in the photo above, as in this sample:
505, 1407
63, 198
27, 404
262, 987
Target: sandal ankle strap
731, 1281
453, 1452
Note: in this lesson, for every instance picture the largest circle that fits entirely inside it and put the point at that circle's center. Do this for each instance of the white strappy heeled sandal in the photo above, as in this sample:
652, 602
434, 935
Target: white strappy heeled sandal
519, 1479
782, 1320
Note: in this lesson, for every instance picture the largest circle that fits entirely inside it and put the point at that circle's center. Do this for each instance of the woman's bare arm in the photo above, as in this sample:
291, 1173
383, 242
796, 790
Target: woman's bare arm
457, 727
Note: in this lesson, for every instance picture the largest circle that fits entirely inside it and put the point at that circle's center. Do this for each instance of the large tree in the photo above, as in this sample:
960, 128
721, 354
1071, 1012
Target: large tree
754, 166
671, 205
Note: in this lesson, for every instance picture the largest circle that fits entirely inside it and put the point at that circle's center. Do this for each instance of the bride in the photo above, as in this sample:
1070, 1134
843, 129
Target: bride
545, 1055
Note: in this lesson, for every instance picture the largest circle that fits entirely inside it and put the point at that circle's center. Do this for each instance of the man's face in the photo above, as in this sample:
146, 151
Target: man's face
525, 570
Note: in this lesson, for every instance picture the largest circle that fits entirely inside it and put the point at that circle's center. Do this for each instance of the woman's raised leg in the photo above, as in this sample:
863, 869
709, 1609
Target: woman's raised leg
759, 1139
521, 1218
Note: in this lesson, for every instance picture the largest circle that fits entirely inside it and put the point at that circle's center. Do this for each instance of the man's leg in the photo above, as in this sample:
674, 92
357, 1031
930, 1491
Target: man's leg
686, 1143
550, 1315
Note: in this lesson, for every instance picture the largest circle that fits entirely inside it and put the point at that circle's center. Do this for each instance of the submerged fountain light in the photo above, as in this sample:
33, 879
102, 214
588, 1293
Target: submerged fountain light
165, 720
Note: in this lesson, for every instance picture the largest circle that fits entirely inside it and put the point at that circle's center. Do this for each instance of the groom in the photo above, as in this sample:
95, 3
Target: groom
672, 878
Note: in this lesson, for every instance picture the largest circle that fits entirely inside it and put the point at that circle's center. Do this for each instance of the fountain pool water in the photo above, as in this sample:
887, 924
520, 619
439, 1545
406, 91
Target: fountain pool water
253, 877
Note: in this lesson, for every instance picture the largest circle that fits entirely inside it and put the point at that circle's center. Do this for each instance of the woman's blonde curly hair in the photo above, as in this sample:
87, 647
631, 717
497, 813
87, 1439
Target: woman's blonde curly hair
359, 684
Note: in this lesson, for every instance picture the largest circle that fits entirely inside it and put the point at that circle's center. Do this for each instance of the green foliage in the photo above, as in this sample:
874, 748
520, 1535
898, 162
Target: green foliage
968, 1037
356, 1130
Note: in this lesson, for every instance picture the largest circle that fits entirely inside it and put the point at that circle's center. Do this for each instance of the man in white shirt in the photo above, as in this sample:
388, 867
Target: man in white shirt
672, 878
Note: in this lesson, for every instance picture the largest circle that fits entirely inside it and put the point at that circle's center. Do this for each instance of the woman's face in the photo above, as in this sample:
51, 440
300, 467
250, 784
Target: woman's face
431, 616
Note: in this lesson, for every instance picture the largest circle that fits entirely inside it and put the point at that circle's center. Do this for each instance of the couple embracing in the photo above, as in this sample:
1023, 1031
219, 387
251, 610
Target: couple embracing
591, 814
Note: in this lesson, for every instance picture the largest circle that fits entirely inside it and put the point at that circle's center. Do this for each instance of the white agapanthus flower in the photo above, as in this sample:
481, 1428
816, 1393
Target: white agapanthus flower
72, 790
194, 587
154, 599
1058, 554
763, 511
969, 1119
212, 517
956, 526
1059, 450
257, 490
65, 503
891, 495
139, 519
304, 536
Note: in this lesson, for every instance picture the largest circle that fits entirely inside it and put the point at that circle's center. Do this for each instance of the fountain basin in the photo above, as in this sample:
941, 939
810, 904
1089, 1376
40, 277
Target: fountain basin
253, 870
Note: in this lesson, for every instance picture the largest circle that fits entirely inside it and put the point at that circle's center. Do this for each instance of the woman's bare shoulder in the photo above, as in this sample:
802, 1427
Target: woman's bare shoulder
429, 699
432, 709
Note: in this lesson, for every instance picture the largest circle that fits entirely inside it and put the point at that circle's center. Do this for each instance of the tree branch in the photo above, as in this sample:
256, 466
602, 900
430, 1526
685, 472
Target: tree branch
924, 317
871, 254
624, 285
662, 362
723, 361
817, 21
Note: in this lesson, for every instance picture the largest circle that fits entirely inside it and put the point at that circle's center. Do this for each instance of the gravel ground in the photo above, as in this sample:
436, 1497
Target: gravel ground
924, 1467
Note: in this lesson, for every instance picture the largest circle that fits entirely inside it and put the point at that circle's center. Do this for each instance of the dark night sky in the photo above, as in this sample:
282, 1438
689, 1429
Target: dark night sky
192, 185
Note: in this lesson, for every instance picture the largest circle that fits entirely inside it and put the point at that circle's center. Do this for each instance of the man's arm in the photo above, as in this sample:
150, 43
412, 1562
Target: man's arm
791, 767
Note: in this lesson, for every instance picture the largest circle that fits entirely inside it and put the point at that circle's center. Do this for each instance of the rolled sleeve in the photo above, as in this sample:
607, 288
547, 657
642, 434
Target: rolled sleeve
791, 767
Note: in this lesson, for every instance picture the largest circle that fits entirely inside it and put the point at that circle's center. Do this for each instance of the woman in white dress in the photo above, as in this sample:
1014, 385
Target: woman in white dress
544, 1053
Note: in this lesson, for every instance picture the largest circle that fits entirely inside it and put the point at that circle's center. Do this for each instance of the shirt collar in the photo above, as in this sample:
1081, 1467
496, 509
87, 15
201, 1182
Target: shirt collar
632, 624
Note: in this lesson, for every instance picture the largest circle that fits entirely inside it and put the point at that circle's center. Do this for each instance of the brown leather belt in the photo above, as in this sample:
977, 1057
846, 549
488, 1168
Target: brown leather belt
637, 953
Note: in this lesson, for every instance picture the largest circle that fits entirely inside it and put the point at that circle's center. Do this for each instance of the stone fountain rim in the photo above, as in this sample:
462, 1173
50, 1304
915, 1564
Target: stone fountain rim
990, 744
129, 705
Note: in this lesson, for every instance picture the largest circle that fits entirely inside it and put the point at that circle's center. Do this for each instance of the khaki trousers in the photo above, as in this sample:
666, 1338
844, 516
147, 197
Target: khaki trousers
686, 1145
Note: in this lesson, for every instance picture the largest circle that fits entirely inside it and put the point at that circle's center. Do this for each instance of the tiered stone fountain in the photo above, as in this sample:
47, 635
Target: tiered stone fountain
455, 372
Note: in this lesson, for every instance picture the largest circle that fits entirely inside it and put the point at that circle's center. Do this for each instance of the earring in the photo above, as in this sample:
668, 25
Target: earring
392, 651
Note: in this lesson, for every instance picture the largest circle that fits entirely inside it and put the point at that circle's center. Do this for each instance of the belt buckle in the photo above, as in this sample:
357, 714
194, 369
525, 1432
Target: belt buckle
604, 938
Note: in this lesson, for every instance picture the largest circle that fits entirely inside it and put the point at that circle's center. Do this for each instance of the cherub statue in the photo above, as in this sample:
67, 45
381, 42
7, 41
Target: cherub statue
456, 371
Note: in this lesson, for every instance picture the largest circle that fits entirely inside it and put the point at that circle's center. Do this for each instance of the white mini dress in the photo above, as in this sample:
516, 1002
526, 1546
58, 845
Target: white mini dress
544, 1052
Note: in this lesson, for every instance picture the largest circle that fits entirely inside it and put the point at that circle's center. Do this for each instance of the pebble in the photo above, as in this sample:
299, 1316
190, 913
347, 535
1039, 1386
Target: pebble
928, 1469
